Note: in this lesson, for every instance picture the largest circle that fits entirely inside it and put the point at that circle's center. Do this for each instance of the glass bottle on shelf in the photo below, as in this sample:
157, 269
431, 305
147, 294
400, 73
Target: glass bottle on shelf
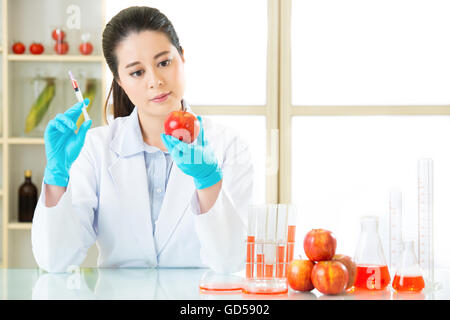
28, 196
372, 272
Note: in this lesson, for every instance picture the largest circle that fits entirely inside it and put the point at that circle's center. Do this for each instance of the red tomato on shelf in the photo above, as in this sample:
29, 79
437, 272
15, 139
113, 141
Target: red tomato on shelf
58, 35
86, 48
61, 47
18, 48
36, 48
182, 125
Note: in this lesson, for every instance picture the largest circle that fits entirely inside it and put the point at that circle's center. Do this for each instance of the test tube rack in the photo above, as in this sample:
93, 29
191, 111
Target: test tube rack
270, 248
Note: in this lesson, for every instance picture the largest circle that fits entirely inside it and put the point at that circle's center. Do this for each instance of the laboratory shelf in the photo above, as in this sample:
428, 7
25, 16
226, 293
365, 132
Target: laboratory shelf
20, 151
26, 140
54, 58
19, 225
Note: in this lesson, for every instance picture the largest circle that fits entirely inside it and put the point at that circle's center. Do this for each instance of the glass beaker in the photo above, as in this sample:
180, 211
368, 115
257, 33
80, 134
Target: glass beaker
408, 277
372, 272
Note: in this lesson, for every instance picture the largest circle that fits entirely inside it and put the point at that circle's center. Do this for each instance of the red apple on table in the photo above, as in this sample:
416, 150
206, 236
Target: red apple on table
299, 274
182, 125
319, 245
329, 277
350, 265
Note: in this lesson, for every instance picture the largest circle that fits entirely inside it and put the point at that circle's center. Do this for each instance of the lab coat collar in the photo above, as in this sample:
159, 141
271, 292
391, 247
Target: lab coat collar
129, 140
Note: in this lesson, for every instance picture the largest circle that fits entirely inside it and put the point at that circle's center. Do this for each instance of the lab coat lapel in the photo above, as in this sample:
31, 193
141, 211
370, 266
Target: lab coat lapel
179, 192
129, 174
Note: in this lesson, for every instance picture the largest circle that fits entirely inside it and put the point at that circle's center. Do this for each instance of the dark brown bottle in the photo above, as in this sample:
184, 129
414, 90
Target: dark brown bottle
27, 199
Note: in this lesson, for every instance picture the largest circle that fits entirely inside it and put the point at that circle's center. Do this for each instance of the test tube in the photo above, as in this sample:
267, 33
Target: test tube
251, 230
270, 242
260, 237
395, 230
292, 222
281, 240
425, 185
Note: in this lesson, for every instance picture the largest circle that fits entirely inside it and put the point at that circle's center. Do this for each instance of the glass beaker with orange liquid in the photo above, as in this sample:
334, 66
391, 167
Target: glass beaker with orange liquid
372, 272
409, 277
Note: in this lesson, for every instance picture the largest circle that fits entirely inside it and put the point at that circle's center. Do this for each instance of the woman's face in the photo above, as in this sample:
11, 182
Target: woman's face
150, 66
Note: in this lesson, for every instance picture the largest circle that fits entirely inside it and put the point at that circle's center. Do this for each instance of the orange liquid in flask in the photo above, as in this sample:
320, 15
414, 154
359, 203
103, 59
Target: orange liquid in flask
408, 283
372, 277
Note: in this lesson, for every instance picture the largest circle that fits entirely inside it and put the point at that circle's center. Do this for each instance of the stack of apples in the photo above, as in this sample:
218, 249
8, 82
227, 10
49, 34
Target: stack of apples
324, 270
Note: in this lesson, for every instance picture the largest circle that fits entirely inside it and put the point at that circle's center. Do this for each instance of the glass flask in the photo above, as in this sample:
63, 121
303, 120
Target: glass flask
372, 272
408, 277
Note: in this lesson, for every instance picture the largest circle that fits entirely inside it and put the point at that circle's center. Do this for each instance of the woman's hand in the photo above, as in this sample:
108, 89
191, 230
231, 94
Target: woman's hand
63, 145
197, 160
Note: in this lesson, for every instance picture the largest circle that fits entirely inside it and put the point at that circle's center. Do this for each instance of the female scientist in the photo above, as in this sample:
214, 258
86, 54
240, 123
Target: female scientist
127, 186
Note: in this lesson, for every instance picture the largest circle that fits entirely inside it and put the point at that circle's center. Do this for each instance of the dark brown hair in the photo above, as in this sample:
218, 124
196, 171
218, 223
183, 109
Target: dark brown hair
127, 21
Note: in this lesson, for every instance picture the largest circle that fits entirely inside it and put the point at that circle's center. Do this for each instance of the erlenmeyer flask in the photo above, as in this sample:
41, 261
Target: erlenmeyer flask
371, 268
409, 277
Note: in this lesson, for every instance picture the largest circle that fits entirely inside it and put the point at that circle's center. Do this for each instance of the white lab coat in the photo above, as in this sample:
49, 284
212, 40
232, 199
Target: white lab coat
107, 203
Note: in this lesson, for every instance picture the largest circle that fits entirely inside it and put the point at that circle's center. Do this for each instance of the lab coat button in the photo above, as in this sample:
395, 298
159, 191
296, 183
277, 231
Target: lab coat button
158, 190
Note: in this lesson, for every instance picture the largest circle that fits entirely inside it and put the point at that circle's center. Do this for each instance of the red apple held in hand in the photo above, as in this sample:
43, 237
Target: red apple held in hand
299, 274
350, 265
319, 245
182, 125
329, 277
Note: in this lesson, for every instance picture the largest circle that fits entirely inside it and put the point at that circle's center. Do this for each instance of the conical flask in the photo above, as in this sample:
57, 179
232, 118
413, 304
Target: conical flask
372, 272
409, 277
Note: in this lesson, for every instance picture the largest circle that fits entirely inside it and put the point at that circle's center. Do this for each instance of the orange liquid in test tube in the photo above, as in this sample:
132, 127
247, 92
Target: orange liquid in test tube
290, 243
250, 256
281, 251
281, 239
259, 265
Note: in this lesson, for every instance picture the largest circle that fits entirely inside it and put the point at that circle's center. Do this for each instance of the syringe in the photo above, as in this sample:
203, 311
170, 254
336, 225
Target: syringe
79, 96
425, 186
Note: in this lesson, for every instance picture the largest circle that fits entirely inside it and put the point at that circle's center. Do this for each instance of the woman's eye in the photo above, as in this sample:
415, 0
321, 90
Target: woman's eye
165, 63
136, 73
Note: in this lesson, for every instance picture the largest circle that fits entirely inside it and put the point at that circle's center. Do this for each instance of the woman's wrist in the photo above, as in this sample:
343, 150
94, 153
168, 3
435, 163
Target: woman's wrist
207, 197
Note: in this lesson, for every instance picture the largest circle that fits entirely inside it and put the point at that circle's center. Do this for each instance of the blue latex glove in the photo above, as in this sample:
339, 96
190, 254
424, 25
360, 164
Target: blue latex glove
63, 145
196, 160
